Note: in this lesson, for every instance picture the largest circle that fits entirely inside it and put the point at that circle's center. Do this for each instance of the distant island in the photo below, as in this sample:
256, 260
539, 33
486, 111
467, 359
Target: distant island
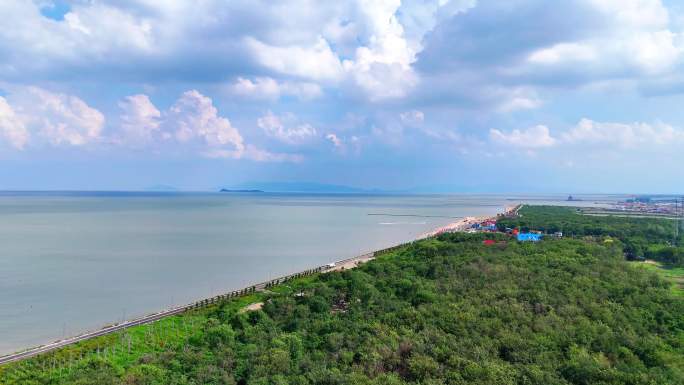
223, 190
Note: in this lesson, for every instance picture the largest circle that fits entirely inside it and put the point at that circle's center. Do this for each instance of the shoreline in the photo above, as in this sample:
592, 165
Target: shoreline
467, 222
348, 263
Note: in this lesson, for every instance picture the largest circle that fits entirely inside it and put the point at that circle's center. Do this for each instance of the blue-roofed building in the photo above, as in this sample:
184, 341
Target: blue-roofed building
529, 237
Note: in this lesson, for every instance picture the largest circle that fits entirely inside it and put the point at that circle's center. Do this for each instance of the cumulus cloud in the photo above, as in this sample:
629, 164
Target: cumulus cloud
267, 88
644, 137
385, 49
625, 135
58, 118
334, 139
140, 119
383, 67
90, 33
394, 32
586, 43
405, 56
514, 99
530, 138
316, 61
274, 126
12, 127
636, 38
361, 43
563, 53
413, 117
193, 121
345, 145
194, 116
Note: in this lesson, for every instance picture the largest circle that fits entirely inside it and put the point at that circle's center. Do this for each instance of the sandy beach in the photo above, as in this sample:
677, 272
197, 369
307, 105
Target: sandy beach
466, 223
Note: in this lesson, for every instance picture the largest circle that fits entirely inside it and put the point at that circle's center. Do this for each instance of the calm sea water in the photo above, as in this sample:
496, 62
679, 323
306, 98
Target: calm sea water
72, 262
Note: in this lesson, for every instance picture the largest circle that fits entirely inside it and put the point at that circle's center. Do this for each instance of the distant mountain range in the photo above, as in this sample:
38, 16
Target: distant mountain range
301, 187
225, 190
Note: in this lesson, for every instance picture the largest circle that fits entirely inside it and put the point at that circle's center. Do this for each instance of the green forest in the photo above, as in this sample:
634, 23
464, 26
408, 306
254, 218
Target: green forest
445, 310
650, 238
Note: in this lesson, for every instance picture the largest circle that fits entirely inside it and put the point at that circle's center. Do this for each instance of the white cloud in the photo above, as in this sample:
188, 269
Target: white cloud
372, 49
140, 119
193, 121
514, 99
623, 135
616, 45
637, 13
636, 34
91, 32
519, 103
383, 67
266, 88
59, 118
316, 61
11, 127
274, 126
413, 117
193, 116
253, 153
345, 145
563, 53
335, 140
655, 52
74, 22
637, 136
530, 138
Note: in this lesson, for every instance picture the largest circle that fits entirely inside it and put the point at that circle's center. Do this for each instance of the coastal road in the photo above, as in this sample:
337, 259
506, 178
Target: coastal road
107, 330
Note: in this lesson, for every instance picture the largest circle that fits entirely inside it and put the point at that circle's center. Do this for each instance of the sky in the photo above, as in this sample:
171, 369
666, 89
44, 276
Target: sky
415, 95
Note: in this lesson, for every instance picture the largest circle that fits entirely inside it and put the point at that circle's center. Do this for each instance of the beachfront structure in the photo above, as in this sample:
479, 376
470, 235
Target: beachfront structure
529, 237
488, 225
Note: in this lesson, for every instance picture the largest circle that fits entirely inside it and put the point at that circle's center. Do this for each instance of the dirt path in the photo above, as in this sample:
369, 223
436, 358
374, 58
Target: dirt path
252, 307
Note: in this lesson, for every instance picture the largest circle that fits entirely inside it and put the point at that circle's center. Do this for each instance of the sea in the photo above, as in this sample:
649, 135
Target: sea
72, 262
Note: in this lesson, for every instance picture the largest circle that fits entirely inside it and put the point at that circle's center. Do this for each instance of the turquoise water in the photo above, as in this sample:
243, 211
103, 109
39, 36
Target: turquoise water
72, 262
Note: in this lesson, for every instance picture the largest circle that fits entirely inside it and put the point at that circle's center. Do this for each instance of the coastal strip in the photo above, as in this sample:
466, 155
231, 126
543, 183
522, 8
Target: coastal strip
468, 222
344, 264
334, 266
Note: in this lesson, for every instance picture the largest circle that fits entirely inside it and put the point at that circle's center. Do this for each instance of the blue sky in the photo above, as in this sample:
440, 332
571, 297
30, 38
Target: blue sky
443, 95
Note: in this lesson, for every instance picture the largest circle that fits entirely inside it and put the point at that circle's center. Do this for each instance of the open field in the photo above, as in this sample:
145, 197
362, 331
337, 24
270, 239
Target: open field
626, 213
672, 274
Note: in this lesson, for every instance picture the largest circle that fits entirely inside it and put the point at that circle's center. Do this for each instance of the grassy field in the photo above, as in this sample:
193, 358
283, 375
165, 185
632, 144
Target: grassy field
672, 274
